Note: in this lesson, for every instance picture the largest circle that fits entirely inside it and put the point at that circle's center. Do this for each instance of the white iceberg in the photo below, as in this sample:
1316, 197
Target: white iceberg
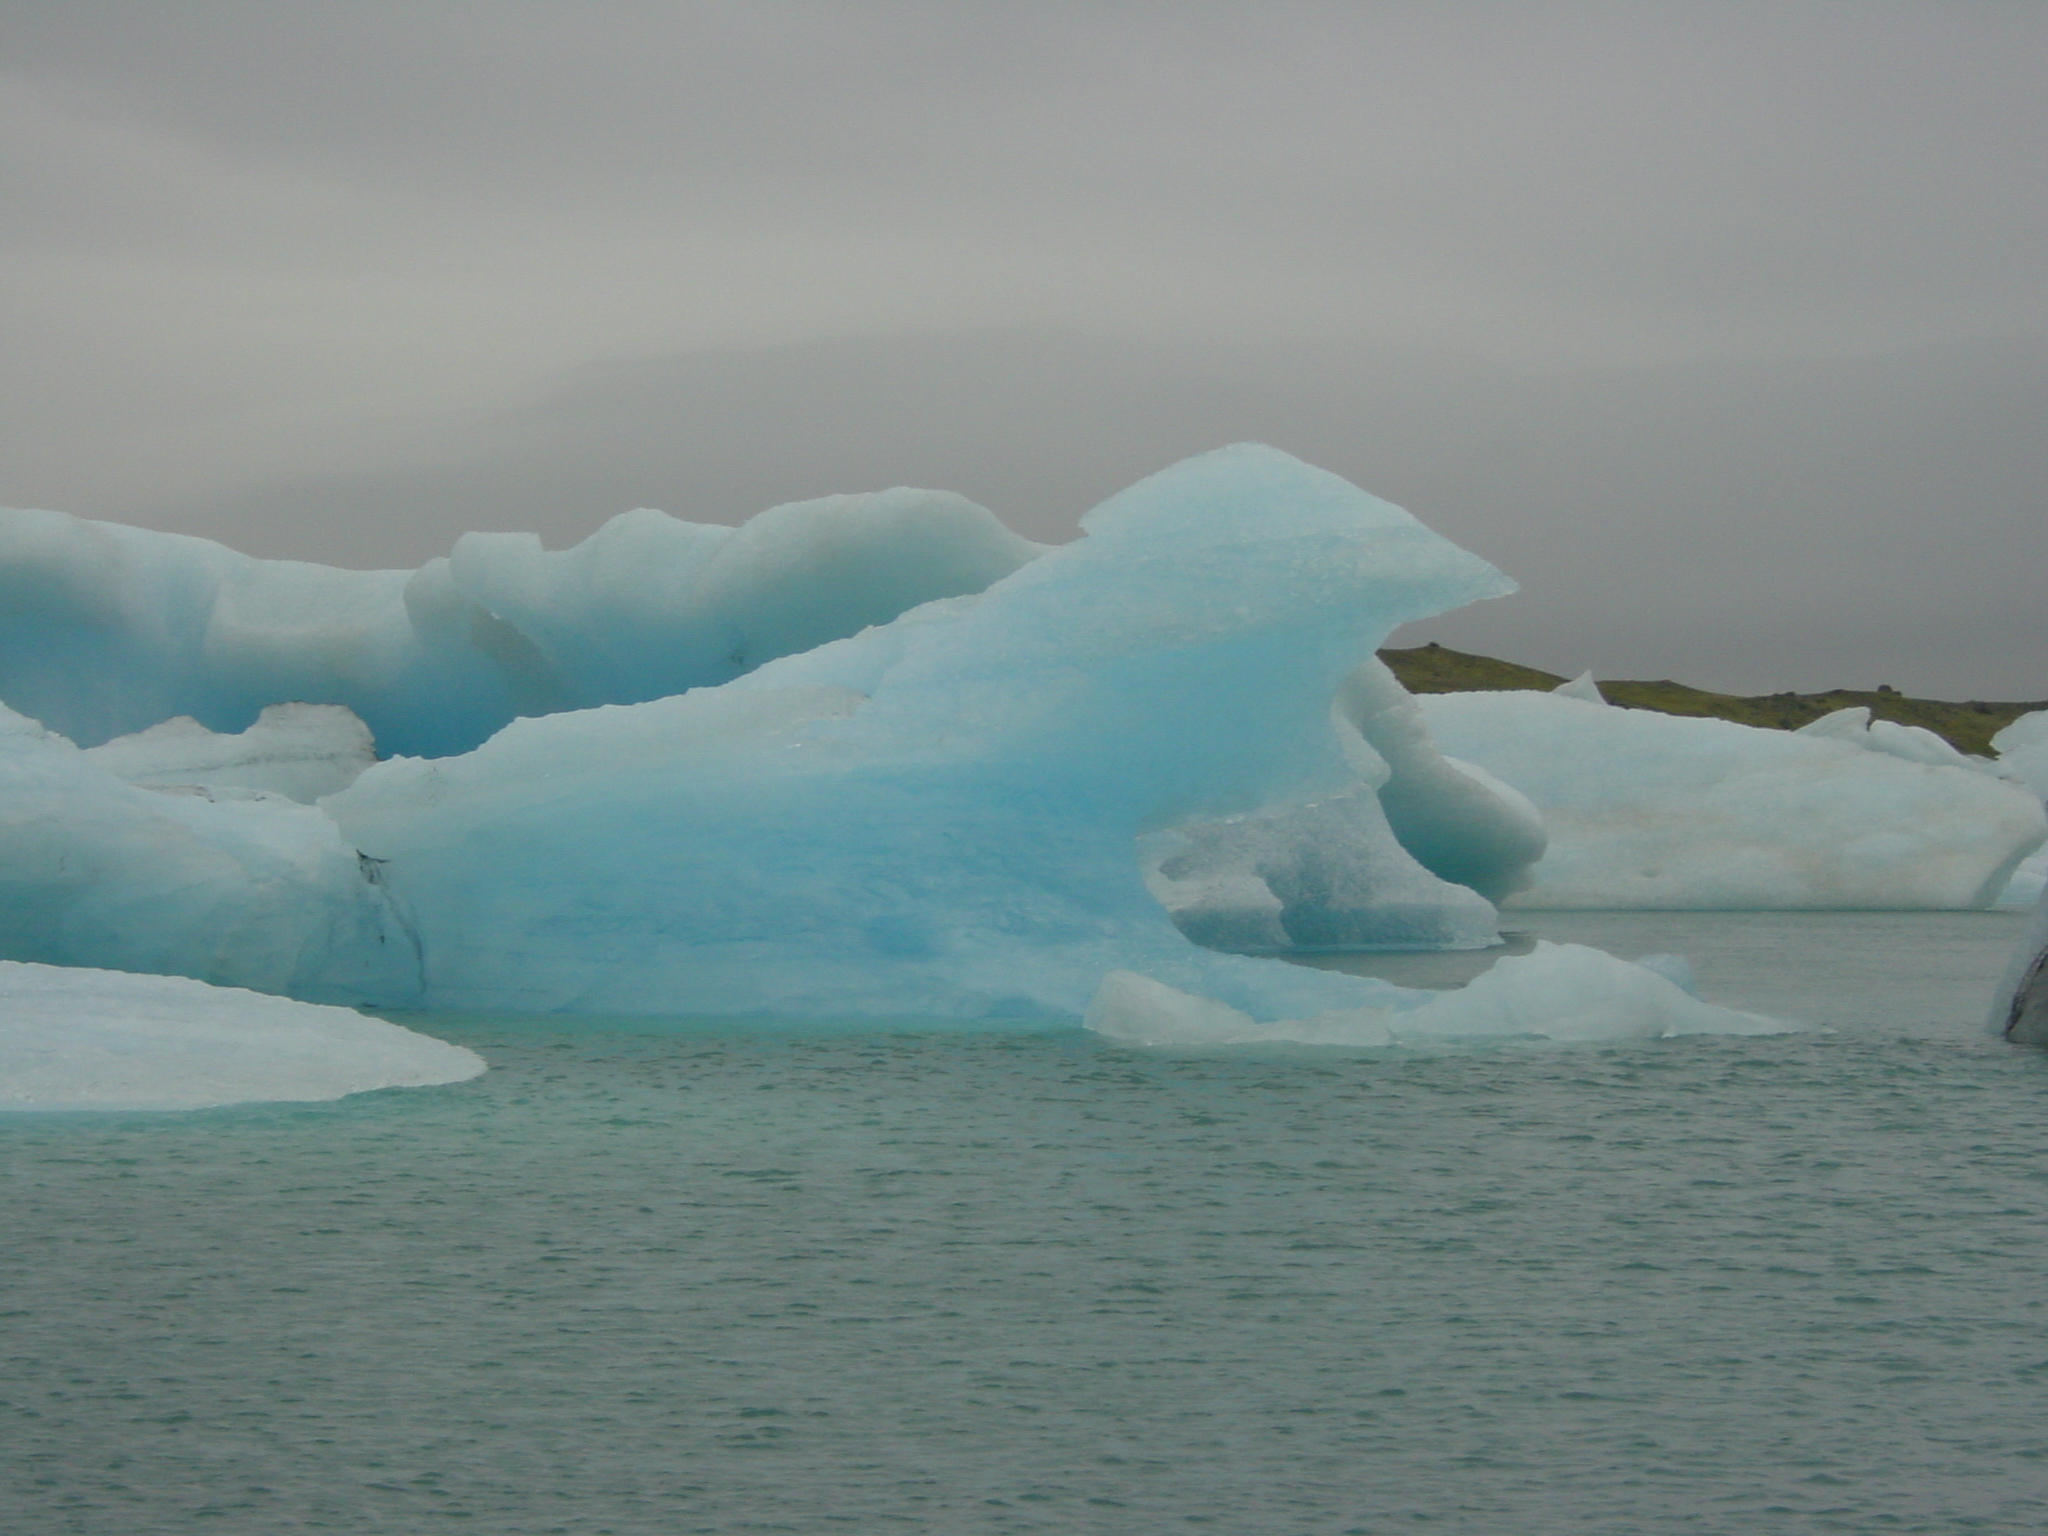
2022, 749
1913, 743
85, 1039
1663, 811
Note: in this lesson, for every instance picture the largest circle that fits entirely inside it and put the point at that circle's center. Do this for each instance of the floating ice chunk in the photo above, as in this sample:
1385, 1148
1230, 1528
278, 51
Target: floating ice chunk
1581, 687
300, 751
1652, 810
241, 888
82, 1039
1569, 992
105, 630
1560, 992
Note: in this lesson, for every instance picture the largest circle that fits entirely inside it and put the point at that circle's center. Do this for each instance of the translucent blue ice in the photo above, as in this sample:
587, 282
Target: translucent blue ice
234, 886
979, 809
939, 816
107, 630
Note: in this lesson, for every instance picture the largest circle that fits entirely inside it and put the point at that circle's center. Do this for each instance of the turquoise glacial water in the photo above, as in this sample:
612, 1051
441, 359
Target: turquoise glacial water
645, 1279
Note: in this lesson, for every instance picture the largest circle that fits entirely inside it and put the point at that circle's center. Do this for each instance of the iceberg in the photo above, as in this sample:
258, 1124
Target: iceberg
941, 816
970, 786
74, 1039
106, 631
1653, 810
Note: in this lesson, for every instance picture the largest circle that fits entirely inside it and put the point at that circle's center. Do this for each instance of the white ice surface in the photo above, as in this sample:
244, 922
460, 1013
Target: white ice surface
1581, 687
107, 630
300, 751
75, 1039
1913, 743
1653, 810
1559, 992
2022, 749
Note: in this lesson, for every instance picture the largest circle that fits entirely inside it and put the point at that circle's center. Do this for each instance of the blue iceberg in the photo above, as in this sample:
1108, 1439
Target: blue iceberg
107, 630
985, 782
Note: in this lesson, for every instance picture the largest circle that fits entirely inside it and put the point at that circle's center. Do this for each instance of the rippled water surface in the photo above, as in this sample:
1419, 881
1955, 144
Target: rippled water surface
675, 1280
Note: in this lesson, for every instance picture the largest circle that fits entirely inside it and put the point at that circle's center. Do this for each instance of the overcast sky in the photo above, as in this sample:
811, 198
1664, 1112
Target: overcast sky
1722, 326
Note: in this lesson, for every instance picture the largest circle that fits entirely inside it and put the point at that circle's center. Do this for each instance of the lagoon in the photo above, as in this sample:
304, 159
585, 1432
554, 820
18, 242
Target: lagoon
719, 1278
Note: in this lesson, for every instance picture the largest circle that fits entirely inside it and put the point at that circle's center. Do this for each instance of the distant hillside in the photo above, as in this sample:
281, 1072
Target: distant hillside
1968, 727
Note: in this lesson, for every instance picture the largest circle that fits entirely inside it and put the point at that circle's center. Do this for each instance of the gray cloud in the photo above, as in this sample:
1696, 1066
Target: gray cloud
1632, 297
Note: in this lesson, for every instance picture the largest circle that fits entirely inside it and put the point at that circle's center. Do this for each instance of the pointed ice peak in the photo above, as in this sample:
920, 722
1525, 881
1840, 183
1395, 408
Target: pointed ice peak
1582, 687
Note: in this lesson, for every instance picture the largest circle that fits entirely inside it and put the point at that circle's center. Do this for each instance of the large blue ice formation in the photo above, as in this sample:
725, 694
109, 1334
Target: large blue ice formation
941, 816
83, 1039
1652, 810
961, 813
107, 630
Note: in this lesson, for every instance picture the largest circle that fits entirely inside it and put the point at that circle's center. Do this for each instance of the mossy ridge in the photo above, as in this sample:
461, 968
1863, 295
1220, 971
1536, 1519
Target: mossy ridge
1968, 727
